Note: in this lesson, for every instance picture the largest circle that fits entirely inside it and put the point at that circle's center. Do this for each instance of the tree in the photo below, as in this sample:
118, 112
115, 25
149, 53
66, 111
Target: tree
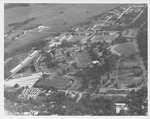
135, 100
68, 54
61, 12
65, 23
16, 85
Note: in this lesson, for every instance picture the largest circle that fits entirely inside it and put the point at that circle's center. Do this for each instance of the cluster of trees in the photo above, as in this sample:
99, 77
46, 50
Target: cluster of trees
102, 47
112, 28
11, 107
32, 26
90, 77
19, 24
6, 44
120, 39
110, 62
136, 101
109, 59
88, 22
142, 42
12, 96
86, 106
52, 64
68, 44
13, 104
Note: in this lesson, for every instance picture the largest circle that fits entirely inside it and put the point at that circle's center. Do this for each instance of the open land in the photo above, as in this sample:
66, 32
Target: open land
126, 49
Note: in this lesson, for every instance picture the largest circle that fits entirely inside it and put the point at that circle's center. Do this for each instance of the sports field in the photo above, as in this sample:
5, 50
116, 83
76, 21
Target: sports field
126, 48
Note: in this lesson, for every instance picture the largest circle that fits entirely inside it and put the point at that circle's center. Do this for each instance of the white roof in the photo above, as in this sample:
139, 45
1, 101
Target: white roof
94, 62
17, 68
120, 104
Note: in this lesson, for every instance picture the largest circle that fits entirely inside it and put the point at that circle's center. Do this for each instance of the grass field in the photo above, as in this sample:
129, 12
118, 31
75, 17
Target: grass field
127, 49
84, 58
10, 64
124, 71
125, 78
54, 15
128, 65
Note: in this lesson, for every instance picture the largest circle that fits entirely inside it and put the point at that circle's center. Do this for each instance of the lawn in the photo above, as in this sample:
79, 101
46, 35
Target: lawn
59, 82
130, 64
84, 57
127, 65
124, 71
125, 78
126, 49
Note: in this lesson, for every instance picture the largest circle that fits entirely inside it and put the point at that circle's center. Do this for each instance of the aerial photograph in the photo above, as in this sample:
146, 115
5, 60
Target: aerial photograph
75, 59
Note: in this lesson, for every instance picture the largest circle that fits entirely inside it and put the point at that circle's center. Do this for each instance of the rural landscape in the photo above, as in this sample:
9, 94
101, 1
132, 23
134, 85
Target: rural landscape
75, 59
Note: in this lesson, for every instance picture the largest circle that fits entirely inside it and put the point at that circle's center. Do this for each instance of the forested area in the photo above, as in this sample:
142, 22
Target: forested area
142, 42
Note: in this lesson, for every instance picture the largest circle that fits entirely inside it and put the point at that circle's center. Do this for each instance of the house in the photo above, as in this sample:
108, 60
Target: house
121, 107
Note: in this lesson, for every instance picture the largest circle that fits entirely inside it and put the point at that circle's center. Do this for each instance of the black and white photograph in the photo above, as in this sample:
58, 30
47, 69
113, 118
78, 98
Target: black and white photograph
75, 59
